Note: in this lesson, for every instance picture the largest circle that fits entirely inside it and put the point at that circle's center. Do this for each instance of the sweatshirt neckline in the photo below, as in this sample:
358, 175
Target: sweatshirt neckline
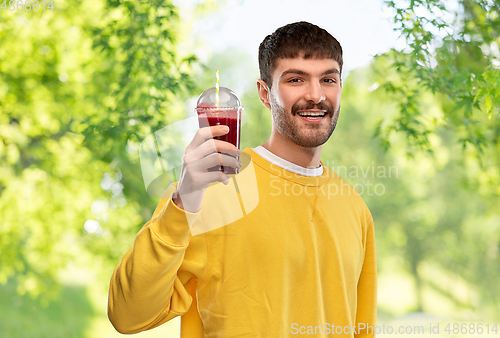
277, 171
281, 162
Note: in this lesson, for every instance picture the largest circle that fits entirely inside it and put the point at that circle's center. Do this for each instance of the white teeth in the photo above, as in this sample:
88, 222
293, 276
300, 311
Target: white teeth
320, 114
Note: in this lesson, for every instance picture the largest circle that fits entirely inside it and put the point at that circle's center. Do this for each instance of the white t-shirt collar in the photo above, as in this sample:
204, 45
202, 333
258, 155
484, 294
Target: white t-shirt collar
292, 167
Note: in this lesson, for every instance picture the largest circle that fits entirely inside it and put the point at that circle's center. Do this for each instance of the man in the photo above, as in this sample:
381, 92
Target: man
302, 262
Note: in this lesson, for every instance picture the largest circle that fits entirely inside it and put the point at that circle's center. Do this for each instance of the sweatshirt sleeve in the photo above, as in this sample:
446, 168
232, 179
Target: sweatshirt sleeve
366, 313
151, 285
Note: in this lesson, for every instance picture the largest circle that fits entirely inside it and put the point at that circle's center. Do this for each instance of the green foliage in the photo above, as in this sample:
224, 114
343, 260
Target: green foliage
45, 194
147, 75
80, 88
455, 56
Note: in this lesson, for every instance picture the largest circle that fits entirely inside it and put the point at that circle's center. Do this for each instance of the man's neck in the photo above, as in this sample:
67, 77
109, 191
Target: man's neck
287, 150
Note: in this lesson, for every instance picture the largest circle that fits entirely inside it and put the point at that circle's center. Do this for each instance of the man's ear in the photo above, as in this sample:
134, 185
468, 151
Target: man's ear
263, 90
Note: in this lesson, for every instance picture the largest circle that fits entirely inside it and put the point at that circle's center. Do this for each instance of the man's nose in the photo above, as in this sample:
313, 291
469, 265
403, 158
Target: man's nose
315, 92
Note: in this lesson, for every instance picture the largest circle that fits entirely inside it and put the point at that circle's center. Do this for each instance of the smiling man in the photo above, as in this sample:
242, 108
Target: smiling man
302, 262
305, 105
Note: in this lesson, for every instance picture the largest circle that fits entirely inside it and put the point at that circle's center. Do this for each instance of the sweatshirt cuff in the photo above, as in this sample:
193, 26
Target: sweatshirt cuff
173, 224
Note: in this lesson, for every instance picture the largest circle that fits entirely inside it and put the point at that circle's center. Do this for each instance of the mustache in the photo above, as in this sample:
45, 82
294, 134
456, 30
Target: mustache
320, 106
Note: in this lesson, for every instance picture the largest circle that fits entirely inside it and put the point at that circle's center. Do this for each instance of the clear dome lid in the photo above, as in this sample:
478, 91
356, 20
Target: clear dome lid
227, 99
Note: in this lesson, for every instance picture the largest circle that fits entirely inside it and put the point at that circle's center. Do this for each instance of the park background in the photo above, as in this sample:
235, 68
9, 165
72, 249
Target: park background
83, 85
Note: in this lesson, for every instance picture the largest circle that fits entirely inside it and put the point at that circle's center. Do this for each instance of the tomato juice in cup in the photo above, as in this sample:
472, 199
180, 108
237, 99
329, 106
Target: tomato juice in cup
228, 113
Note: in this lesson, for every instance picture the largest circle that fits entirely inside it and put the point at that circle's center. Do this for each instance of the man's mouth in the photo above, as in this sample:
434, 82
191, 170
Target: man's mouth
312, 114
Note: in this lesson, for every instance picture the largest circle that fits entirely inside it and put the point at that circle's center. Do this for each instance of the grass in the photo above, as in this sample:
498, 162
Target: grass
22, 316
79, 312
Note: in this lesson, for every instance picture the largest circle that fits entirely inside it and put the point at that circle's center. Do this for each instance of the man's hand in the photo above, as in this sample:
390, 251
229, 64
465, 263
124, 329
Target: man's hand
202, 153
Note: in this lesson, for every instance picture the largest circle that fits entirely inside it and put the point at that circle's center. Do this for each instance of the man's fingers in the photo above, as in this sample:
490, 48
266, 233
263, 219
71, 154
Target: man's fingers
211, 147
219, 159
218, 177
206, 133
204, 180
202, 153
201, 166
205, 152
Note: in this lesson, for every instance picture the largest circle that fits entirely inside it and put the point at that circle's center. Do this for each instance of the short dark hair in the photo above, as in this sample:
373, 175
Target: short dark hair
295, 39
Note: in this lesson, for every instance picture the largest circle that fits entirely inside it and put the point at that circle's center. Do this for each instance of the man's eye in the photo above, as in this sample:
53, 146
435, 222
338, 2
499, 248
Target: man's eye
330, 80
294, 80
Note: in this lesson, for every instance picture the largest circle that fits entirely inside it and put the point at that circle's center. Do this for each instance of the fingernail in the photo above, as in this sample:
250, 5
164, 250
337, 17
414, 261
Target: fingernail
226, 128
239, 164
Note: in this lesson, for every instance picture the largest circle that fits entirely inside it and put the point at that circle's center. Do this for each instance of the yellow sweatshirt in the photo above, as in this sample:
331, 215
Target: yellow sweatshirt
274, 254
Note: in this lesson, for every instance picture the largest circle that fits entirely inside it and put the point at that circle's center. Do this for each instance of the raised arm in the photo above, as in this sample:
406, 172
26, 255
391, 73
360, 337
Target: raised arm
152, 284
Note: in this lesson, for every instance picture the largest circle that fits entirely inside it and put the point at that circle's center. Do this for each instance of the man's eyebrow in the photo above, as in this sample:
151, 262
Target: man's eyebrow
301, 72
294, 71
331, 71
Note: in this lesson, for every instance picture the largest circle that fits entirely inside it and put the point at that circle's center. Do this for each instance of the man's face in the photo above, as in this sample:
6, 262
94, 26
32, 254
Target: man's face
305, 99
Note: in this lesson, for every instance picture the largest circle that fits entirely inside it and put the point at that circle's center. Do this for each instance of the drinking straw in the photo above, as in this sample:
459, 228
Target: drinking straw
217, 87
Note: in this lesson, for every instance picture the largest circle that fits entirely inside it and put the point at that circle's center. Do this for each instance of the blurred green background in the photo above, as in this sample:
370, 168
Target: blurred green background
81, 86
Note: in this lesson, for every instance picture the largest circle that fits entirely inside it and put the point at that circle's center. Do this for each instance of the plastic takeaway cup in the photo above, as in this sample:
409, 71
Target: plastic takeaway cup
227, 113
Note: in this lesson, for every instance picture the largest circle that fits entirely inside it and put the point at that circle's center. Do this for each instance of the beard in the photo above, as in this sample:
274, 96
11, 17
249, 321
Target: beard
314, 135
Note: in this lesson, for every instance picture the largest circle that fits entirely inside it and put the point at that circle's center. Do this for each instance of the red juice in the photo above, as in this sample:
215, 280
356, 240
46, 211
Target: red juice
211, 116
